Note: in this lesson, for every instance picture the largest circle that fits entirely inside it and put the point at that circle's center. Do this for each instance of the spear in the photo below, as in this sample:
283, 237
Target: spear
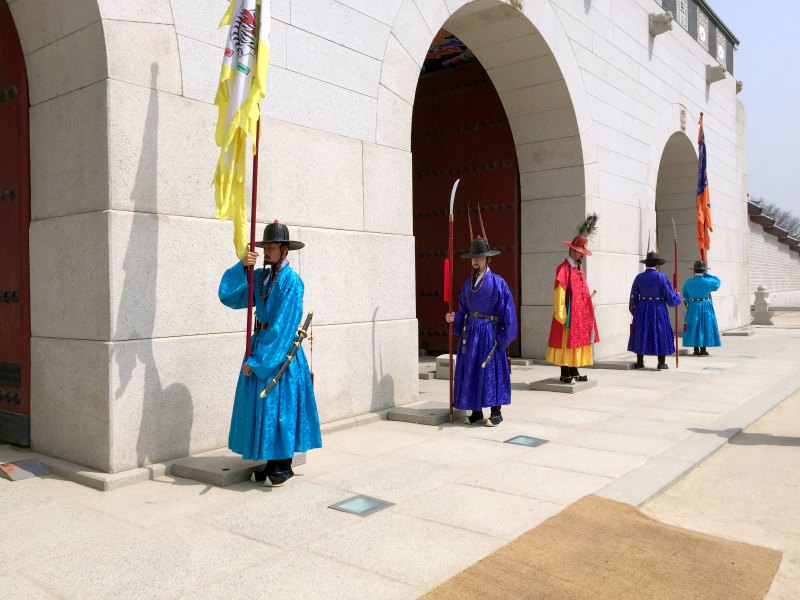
675, 285
251, 270
448, 289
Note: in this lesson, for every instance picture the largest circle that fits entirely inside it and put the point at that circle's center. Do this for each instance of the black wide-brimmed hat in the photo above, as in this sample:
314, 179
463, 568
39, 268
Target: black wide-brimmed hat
699, 267
278, 233
653, 258
478, 248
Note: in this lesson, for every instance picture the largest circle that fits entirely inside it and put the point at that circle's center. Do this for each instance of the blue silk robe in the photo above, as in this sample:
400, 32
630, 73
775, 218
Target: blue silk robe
652, 332
474, 387
701, 320
286, 421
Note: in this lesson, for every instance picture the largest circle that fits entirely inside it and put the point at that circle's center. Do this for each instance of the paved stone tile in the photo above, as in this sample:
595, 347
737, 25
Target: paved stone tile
563, 416
33, 494
300, 575
160, 563
641, 484
672, 415
61, 529
618, 442
510, 428
390, 477
481, 510
428, 430
404, 548
693, 405
461, 451
643, 427
324, 462
14, 588
285, 517
534, 481
609, 398
370, 440
582, 460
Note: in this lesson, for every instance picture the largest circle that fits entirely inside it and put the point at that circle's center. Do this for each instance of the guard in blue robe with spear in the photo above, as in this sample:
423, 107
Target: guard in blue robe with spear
274, 410
486, 324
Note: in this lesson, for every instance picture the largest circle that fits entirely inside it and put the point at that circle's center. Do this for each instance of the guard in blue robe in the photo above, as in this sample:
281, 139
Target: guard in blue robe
486, 324
700, 329
651, 332
286, 421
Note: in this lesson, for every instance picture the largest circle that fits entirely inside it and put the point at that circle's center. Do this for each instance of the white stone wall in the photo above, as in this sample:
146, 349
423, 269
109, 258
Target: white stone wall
774, 266
123, 229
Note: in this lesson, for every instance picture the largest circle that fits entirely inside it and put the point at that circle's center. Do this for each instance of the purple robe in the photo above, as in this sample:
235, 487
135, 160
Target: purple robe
652, 333
474, 387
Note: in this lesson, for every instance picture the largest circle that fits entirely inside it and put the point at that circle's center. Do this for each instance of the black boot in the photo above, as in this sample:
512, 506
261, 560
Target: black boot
282, 473
475, 417
573, 372
662, 365
496, 417
704, 352
565, 376
260, 474
639, 364
696, 351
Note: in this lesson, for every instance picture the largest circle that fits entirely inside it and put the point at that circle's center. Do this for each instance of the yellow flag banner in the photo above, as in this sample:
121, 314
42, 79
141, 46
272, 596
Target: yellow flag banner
242, 85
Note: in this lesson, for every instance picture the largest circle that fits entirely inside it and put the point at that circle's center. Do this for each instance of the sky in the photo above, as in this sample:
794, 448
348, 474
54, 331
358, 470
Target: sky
766, 63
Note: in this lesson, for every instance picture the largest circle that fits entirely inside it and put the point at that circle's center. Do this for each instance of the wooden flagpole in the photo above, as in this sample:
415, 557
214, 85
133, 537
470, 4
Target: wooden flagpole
251, 271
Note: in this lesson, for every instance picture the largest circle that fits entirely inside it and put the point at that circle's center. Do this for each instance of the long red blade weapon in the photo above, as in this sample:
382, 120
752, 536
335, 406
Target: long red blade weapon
251, 270
675, 285
448, 288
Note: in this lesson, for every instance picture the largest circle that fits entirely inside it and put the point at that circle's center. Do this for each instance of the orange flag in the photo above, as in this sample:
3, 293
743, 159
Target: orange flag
704, 223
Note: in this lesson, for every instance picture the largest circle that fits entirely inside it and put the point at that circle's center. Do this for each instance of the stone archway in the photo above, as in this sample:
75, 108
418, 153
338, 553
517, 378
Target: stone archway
530, 63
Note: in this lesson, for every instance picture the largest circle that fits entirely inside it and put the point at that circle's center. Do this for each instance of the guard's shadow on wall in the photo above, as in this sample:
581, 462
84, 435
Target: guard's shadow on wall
382, 384
166, 413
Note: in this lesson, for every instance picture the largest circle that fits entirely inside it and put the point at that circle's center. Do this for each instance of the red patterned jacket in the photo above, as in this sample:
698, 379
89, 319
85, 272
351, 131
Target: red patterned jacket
580, 310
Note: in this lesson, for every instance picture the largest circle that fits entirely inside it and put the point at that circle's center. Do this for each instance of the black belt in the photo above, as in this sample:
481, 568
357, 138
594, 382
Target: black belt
645, 298
261, 325
483, 316
697, 299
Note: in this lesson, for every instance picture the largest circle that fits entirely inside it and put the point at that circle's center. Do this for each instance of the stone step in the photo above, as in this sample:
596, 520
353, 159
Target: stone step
553, 384
221, 468
428, 413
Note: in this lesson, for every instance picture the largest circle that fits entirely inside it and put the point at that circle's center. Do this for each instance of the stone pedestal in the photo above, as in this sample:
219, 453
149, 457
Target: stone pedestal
443, 366
553, 384
429, 413
222, 469
763, 315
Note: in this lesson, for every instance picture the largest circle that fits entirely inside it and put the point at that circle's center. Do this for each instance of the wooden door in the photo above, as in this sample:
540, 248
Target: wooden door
15, 329
460, 131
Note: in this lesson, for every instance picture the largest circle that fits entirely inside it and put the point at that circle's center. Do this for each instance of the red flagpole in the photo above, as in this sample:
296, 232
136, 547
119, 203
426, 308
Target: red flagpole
450, 310
251, 270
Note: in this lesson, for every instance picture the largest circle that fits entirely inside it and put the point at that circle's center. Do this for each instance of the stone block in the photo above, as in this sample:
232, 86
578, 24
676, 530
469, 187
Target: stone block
69, 149
434, 13
400, 72
412, 32
145, 54
199, 20
535, 324
64, 17
388, 193
614, 365
70, 414
384, 12
316, 178
350, 379
171, 397
538, 274
394, 120
428, 413
514, 51
73, 62
613, 323
743, 332
156, 166
538, 233
553, 384
148, 11
199, 81
544, 125
154, 295
526, 73
536, 99
521, 362
328, 61
221, 469
358, 291
67, 301
443, 366
553, 183
550, 154
306, 101
483, 24
341, 24
427, 376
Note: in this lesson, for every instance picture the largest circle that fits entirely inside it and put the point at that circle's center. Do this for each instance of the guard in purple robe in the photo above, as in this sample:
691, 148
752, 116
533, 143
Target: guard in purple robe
651, 332
486, 324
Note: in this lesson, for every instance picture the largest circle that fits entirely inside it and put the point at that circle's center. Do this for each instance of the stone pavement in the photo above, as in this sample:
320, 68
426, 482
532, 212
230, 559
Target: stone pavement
749, 491
459, 493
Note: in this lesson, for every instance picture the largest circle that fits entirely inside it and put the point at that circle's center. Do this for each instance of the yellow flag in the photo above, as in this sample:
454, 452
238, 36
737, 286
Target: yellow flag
242, 85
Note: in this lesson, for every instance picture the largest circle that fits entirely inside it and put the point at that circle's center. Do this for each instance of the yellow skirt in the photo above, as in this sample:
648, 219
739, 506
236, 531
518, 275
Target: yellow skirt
569, 357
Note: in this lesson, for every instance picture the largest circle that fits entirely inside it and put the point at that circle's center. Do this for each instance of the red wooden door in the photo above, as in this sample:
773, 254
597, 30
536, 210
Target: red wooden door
15, 216
460, 131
